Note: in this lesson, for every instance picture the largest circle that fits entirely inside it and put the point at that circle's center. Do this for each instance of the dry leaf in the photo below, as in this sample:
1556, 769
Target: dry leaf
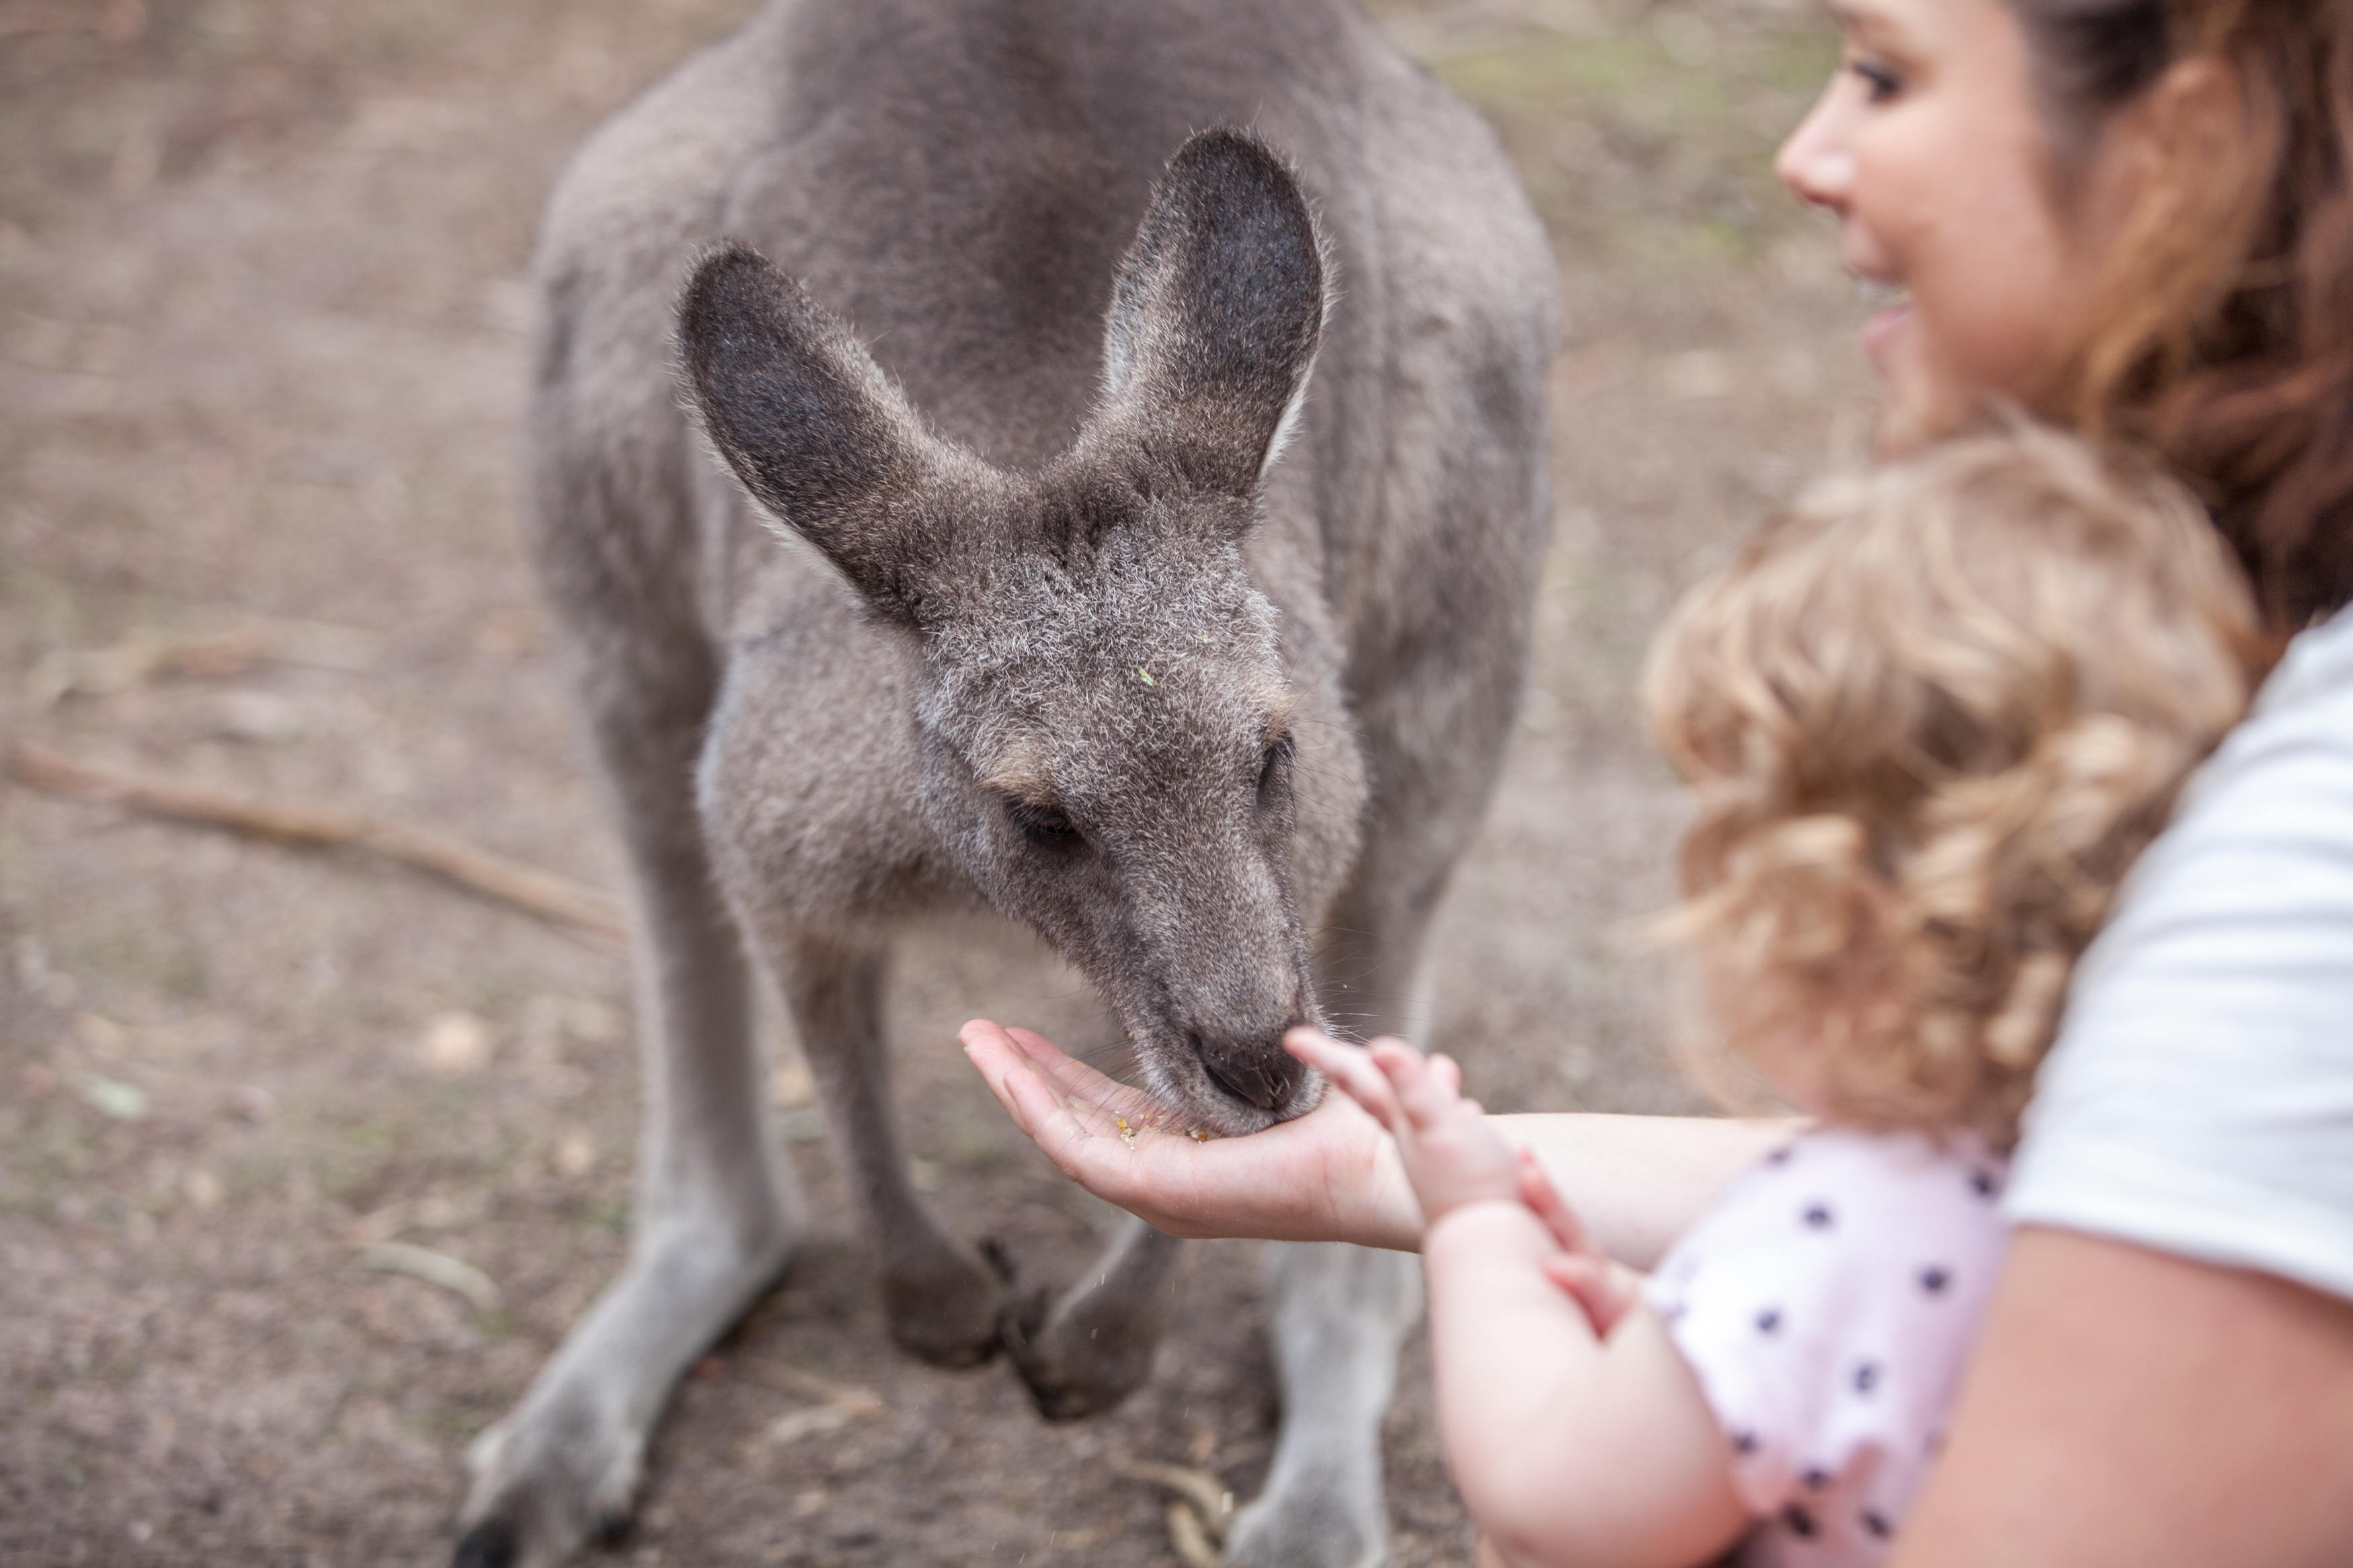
575, 1155
123, 1101
457, 1044
790, 1087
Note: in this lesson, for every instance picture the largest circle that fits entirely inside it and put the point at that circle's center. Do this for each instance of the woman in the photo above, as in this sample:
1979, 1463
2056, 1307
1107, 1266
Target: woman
2133, 217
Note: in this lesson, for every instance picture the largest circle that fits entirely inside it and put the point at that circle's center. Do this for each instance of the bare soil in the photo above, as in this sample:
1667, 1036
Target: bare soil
262, 340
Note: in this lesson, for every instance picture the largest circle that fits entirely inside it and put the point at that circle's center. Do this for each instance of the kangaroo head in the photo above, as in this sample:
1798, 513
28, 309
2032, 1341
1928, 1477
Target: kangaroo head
1106, 713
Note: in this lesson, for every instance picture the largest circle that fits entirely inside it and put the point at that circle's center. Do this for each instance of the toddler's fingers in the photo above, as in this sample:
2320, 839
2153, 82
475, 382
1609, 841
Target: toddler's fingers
1588, 1281
1351, 1068
1537, 1192
1448, 1071
1398, 1060
1578, 1279
1428, 1093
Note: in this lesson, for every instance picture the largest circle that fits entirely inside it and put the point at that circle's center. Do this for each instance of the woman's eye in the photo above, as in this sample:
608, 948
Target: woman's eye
1879, 83
1043, 825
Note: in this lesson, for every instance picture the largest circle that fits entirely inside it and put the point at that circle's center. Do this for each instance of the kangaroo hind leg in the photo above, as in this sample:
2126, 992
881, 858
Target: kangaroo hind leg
718, 1215
1338, 1316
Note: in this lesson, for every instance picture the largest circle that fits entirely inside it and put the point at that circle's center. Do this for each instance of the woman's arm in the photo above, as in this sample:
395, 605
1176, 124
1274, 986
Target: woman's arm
2126, 1404
2127, 1407
1332, 1175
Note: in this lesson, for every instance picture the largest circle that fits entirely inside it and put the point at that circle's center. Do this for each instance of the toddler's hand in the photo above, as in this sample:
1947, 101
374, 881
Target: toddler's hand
1582, 1271
1450, 1153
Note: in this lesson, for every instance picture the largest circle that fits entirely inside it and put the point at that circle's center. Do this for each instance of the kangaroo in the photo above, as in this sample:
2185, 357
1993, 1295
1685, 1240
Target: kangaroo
966, 537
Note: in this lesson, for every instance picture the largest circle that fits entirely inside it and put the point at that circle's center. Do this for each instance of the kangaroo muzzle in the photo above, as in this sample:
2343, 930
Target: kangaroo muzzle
1255, 1069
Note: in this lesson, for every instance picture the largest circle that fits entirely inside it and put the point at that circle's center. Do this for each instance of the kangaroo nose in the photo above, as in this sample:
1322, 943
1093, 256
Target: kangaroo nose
1258, 1070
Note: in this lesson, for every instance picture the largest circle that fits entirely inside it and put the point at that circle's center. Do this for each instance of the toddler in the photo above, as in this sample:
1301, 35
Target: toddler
1930, 714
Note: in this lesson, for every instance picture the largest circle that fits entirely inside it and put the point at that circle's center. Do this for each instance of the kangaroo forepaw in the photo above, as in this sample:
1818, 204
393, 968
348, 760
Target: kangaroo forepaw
1080, 1357
945, 1314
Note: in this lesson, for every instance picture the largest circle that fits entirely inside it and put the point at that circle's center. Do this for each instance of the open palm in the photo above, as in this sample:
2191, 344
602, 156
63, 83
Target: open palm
1327, 1175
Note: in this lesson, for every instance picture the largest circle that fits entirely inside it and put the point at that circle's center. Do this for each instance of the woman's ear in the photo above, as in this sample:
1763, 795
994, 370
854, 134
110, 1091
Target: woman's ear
2199, 111
2175, 157
2166, 206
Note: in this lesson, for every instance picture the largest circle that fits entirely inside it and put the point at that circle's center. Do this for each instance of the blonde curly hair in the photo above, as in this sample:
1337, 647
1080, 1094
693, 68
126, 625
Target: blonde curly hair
1932, 713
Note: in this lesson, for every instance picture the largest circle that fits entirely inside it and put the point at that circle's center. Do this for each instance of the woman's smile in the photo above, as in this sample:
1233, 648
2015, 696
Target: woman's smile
1880, 331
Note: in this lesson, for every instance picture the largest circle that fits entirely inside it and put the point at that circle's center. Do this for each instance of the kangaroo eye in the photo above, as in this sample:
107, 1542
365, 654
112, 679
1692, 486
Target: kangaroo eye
1043, 825
1278, 763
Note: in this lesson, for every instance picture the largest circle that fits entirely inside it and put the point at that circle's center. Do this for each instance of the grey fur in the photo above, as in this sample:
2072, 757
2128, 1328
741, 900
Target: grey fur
1053, 632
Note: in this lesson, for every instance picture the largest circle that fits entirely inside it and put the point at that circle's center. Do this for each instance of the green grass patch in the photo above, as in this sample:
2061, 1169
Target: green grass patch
1650, 142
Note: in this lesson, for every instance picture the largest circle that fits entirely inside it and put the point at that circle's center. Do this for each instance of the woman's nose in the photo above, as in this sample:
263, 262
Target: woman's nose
1814, 161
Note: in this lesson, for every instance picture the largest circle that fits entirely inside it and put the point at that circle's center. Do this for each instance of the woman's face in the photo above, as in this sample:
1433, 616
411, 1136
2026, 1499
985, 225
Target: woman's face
1928, 148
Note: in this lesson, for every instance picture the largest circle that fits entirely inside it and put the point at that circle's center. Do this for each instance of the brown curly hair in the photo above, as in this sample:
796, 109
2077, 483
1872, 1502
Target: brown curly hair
2220, 338
1931, 714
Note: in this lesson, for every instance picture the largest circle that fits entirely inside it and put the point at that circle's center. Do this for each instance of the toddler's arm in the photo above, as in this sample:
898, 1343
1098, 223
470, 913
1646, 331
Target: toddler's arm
1568, 1447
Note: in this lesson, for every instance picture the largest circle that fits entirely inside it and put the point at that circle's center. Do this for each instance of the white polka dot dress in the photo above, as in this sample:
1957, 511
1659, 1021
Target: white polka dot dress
1827, 1304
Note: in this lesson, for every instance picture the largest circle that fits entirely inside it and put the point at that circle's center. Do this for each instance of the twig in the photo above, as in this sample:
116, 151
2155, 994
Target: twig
1210, 1509
839, 1405
148, 655
525, 887
1189, 1538
857, 1401
452, 1274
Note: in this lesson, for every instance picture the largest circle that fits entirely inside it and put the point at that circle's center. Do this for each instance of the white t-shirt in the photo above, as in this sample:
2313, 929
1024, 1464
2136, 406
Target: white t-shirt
2200, 1099
1826, 1304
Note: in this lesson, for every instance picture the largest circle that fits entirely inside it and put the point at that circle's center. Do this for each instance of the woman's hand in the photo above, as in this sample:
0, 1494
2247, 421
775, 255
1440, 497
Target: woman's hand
1329, 1175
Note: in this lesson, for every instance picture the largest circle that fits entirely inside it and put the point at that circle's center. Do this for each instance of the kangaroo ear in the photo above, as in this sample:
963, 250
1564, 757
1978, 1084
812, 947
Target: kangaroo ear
810, 424
1216, 314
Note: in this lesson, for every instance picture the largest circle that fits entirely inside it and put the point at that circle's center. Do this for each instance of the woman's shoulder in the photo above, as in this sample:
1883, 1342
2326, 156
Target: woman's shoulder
2261, 848
2316, 669
2200, 1097
2295, 740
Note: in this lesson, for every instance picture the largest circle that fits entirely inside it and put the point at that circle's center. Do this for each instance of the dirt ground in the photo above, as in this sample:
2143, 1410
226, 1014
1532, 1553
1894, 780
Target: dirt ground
262, 336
